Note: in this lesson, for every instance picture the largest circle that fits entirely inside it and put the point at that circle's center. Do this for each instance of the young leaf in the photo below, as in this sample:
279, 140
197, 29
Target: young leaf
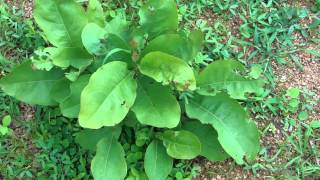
168, 69
155, 105
60, 90
89, 138
157, 163
31, 86
61, 21
238, 136
98, 42
221, 75
6, 121
70, 107
4, 130
181, 144
109, 161
159, 16
210, 146
106, 100
293, 92
95, 13
175, 45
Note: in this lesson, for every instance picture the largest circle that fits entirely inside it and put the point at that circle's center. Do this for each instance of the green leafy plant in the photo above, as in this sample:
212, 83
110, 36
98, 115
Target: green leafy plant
4, 127
137, 89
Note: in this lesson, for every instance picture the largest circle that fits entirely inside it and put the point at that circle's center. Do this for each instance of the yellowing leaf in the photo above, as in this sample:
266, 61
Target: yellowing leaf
168, 69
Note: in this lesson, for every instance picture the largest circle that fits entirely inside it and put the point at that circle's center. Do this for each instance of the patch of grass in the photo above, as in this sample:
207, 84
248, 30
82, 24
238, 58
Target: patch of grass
295, 155
19, 36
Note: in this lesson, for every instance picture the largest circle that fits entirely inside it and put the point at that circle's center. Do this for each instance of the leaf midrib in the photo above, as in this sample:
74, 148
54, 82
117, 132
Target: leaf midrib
63, 23
110, 92
148, 97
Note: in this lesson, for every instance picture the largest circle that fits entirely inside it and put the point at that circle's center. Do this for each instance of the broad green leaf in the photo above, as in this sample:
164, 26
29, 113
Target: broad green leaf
95, 13
76, 57
157, 163
210, 146
61, 20
109, 163
221, 75
175, 45
197, 39
92, 37
155, 105
62, 23
60, 90
31, 86
168, 69
89, 138
159, 16
98, 42
181, 144
119, 27
106, 100
238, 135
70, 107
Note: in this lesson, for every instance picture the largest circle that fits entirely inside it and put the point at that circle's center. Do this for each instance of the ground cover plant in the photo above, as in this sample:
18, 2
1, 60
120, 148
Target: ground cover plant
98, 71
275, 39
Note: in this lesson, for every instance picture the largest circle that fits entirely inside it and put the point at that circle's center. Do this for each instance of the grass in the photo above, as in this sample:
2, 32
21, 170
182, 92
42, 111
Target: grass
261, 34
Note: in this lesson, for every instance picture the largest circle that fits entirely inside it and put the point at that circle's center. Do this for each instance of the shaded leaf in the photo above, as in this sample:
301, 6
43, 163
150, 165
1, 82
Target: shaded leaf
70, 107
238, 135
60, 90
89, 138
31, 86
210, 146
